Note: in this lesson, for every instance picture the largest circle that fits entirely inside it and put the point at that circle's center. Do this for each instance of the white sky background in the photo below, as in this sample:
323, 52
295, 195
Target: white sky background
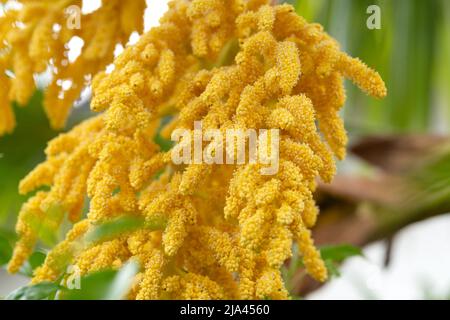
420, 262
420, 257
155, 9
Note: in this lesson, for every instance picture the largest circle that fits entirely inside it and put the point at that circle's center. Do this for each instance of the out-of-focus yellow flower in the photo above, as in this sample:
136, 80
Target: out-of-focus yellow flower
238, 64
35, 38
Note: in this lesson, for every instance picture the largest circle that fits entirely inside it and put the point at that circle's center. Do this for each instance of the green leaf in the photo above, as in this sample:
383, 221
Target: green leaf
103, 285
333, 270
5, 251
122, 282
333, 255
124, 224
35, 260
114, 228
163, 143
339, 253
93, 286
40, 291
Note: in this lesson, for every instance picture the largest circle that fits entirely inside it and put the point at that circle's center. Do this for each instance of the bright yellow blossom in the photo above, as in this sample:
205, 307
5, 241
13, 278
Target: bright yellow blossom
237, 64
34, 38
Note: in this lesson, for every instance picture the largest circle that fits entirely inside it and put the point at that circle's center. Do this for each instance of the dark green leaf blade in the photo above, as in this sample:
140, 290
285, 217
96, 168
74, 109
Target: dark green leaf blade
114, 228
333, 270
35, 260
93, 286
40, 291
121, 225
103, 285
339, 253
123, 281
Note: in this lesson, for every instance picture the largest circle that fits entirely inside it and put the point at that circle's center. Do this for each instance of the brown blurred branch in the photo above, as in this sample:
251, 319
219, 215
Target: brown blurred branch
396, 154
359, 210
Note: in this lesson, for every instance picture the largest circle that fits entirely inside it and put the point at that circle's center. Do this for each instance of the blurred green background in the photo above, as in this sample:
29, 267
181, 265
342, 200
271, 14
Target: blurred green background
411, 51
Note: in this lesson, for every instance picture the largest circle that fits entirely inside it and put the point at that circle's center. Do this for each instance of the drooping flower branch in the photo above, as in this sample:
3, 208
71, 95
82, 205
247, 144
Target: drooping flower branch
239, 64
34, 38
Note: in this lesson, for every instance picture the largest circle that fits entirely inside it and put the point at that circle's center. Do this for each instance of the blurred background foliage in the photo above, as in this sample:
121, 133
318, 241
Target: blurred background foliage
411, 51
19, 153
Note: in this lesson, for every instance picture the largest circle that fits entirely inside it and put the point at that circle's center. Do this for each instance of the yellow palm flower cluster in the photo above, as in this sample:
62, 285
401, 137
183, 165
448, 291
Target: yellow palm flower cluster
34, 37
210, 231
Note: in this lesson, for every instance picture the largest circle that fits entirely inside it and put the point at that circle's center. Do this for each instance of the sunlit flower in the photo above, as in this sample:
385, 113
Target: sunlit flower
35, 38
227, 229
